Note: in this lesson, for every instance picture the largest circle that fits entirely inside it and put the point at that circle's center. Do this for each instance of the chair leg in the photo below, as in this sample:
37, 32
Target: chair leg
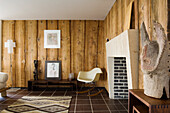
85, 91
3, 94
82, 86
95, 93
79, 92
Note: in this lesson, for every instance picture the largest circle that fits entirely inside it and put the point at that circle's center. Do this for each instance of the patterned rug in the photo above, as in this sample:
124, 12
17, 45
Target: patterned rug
40, 104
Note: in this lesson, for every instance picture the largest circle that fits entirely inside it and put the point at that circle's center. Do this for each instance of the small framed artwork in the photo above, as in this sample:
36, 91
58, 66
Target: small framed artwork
53, 70
51, 38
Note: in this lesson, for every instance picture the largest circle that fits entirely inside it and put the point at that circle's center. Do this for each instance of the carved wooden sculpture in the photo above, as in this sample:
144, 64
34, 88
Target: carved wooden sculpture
154, 64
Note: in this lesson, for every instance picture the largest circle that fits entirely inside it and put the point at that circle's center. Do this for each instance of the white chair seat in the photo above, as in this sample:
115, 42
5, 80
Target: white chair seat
89, 76
85, 80
2, 85
3, 77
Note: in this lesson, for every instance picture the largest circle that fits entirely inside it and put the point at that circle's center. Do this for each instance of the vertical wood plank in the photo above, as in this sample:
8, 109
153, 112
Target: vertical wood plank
144, 15
162, 13
114, 20
119, 16
1, 45
52, 53
30, 48
20, 54
108, 26
91, 44
8, 33
100, 52
41, 49
112, 17
64, 51
136, 12
123, 15
77, 45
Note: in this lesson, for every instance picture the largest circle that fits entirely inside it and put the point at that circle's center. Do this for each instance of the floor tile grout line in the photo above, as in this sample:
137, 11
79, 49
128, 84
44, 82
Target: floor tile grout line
28, 93
53, 92
65, 93
18, 93
105, 102
11, 96
122, 105
91, 103
41, 93
75, 104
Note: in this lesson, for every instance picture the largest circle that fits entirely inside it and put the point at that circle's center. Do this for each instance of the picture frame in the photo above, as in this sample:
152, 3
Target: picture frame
53, 70
51, 38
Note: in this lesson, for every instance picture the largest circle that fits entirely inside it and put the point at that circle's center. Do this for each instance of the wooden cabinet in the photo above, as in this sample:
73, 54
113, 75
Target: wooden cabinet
140, 103
40, 84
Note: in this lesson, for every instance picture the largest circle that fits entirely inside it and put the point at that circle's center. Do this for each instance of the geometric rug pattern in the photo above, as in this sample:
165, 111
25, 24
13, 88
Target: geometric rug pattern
40, 104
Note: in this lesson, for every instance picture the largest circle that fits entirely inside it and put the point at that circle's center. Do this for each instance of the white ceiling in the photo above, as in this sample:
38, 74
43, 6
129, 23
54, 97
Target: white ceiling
54, 9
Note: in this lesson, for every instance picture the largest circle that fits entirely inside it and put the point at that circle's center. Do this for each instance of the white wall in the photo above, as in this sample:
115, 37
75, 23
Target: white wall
124, 45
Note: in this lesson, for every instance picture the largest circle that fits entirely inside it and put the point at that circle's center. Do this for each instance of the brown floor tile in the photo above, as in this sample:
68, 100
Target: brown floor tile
112, 101
83, 112
10, 101
46, 94
72, 106
58, 94
106, 97
83, 101
70, 93
123, 101
102, 111
82, 94
120, 107
112, 107
48, 91
97, 97
114, 111
3, 106
123, 111
83, 108
125, 105
82, 97
72, 101
99, 107
97, 101
34, 94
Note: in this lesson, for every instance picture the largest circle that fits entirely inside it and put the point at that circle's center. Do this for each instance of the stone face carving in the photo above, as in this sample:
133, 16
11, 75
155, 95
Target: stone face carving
154, 59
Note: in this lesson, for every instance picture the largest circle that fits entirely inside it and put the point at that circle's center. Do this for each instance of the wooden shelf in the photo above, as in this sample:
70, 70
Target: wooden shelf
140, 103
140, 109
36, 84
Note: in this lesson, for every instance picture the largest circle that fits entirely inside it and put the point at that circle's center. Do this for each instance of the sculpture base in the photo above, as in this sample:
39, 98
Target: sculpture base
154, 85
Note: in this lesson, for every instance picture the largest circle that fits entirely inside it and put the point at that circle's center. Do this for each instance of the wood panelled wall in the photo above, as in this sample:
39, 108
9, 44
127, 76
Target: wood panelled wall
82, 47
82, 42
144, 10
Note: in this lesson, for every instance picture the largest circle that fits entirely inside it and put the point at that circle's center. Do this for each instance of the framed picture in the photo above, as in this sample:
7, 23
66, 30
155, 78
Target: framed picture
51, 38
53, 70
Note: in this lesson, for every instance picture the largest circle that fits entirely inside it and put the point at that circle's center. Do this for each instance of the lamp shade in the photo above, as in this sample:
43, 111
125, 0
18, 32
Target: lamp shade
10, 44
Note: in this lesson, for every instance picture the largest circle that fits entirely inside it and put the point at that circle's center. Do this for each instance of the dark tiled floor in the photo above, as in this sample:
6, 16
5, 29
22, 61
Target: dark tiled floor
80, 103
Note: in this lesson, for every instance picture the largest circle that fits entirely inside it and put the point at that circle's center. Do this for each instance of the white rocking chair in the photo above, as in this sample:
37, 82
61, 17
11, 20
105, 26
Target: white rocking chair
90, 77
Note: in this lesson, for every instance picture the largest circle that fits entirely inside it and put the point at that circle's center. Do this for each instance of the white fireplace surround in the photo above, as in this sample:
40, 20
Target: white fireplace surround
124, 45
